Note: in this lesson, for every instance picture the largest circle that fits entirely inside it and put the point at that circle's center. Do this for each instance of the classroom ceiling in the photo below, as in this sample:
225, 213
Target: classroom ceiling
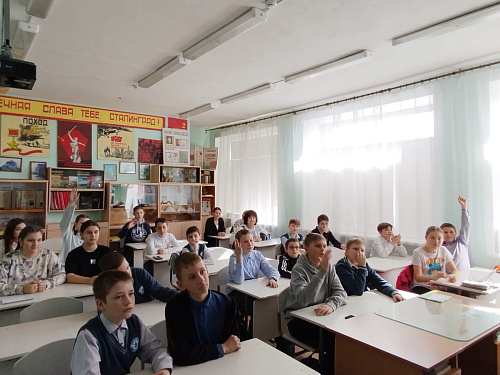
94, 52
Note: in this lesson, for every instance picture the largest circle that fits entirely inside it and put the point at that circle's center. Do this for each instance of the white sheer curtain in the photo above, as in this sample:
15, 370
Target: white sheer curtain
402, 157
246, 172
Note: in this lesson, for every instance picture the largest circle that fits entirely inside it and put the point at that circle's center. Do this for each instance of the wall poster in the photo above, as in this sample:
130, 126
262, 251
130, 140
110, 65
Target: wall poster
150, 151
176, 142
26, 136
115, 143
74, 144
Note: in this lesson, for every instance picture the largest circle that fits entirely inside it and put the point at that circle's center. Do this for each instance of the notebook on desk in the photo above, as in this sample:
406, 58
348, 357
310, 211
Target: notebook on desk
476, 284
435, 297
17, 298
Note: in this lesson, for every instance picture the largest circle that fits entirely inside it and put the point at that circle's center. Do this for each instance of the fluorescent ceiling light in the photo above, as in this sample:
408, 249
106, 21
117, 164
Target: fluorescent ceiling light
202, 109
450, 25
163, 71
23, 37
328, 67
246, 94
39, 8
238, 26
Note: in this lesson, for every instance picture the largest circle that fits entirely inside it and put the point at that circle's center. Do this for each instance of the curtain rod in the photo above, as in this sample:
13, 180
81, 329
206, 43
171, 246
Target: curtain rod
378, 92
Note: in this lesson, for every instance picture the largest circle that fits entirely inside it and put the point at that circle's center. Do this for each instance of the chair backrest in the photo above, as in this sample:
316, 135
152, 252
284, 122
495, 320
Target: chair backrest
173, 258
222, 278
54, 244
50, 359
282, 297
51, 308
277, 251
160, 331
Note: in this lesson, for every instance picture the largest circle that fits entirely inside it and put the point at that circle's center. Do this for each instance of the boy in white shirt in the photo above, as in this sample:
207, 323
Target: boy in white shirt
161, 241
387, 243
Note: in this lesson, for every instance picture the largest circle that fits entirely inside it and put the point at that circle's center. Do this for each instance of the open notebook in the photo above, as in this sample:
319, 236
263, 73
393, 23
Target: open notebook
17, 298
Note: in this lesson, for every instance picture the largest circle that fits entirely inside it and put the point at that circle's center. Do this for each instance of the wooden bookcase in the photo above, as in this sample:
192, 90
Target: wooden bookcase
25, 199
179, 196
207, 195
90, 184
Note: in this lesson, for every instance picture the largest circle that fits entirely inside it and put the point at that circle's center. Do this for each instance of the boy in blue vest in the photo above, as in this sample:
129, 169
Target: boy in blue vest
193, 246
109, 343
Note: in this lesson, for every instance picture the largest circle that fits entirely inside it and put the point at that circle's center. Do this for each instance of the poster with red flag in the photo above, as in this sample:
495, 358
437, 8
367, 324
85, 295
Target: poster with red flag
74, 144
176, 141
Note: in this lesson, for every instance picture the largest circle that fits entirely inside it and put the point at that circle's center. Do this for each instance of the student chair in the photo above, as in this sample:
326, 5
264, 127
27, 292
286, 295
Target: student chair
160, 331
283, 329
50, 359
54, 244
51, 308
173, 258
222, 278
277, 251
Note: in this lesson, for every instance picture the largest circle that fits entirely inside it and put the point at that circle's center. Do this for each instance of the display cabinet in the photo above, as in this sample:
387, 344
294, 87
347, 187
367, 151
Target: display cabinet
121, 198
179, 196
25, 199
90, 185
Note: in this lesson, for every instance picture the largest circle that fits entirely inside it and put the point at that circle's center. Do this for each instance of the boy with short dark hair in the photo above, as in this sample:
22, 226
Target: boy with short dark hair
458, 246
387, 243
293, 232
202, 324
357, 276
323, 229
193, 237
161, 241
146, 287
288, 260
109, 343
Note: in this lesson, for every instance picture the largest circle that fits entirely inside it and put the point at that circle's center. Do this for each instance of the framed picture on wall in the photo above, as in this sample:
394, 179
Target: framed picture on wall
109, 172
38, 170
8, 164
144, 172
127, 167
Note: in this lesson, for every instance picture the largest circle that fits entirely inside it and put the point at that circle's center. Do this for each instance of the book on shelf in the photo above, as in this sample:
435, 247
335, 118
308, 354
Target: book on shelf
96, 202
17, 199
5, 199
40, 199
85, 202
64, 182
28, 198
210, 157
73, 181
83, 182
59, 200
55, 180
96, 182
206, 208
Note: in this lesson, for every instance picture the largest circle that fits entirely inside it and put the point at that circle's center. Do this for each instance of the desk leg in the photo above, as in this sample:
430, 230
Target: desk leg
264, 318
224, 243
321, 350
161, 272
481, 358
138, 258
212, 282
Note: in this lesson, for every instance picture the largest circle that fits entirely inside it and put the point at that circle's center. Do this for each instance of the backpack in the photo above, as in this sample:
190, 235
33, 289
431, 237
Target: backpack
405, 279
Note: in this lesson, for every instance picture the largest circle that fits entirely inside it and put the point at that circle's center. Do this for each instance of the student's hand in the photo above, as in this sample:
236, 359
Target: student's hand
161, 251
257, 239
73, 195
232, 344
343, 247
91, 279
41, 286
396, 240
31, 287
463, 202
323, 310
132, 223
398, 297
164, 372
361, 259
221, 234
438, 275
272, 283
453, 278
325, 261
237, 251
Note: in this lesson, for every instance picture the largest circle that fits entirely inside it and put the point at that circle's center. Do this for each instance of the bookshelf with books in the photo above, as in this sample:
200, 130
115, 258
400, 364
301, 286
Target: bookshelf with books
90, 184
179, 196
25, 199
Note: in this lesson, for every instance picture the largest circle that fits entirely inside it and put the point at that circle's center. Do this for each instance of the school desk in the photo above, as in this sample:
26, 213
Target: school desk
9, 313
475, 274
356, 305
267, 247
390, 267
254, 357
375, 344
265, 304
223, 241
19, 339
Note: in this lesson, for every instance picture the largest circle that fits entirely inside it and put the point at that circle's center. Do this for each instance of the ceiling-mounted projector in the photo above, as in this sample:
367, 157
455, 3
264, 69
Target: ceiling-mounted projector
17, 74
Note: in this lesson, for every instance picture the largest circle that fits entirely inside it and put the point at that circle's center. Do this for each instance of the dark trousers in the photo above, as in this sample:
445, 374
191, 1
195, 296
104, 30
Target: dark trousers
244, 306
309, 334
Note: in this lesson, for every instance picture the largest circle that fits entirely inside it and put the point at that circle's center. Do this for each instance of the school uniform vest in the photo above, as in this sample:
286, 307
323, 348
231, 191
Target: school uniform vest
201, 249
118, 359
